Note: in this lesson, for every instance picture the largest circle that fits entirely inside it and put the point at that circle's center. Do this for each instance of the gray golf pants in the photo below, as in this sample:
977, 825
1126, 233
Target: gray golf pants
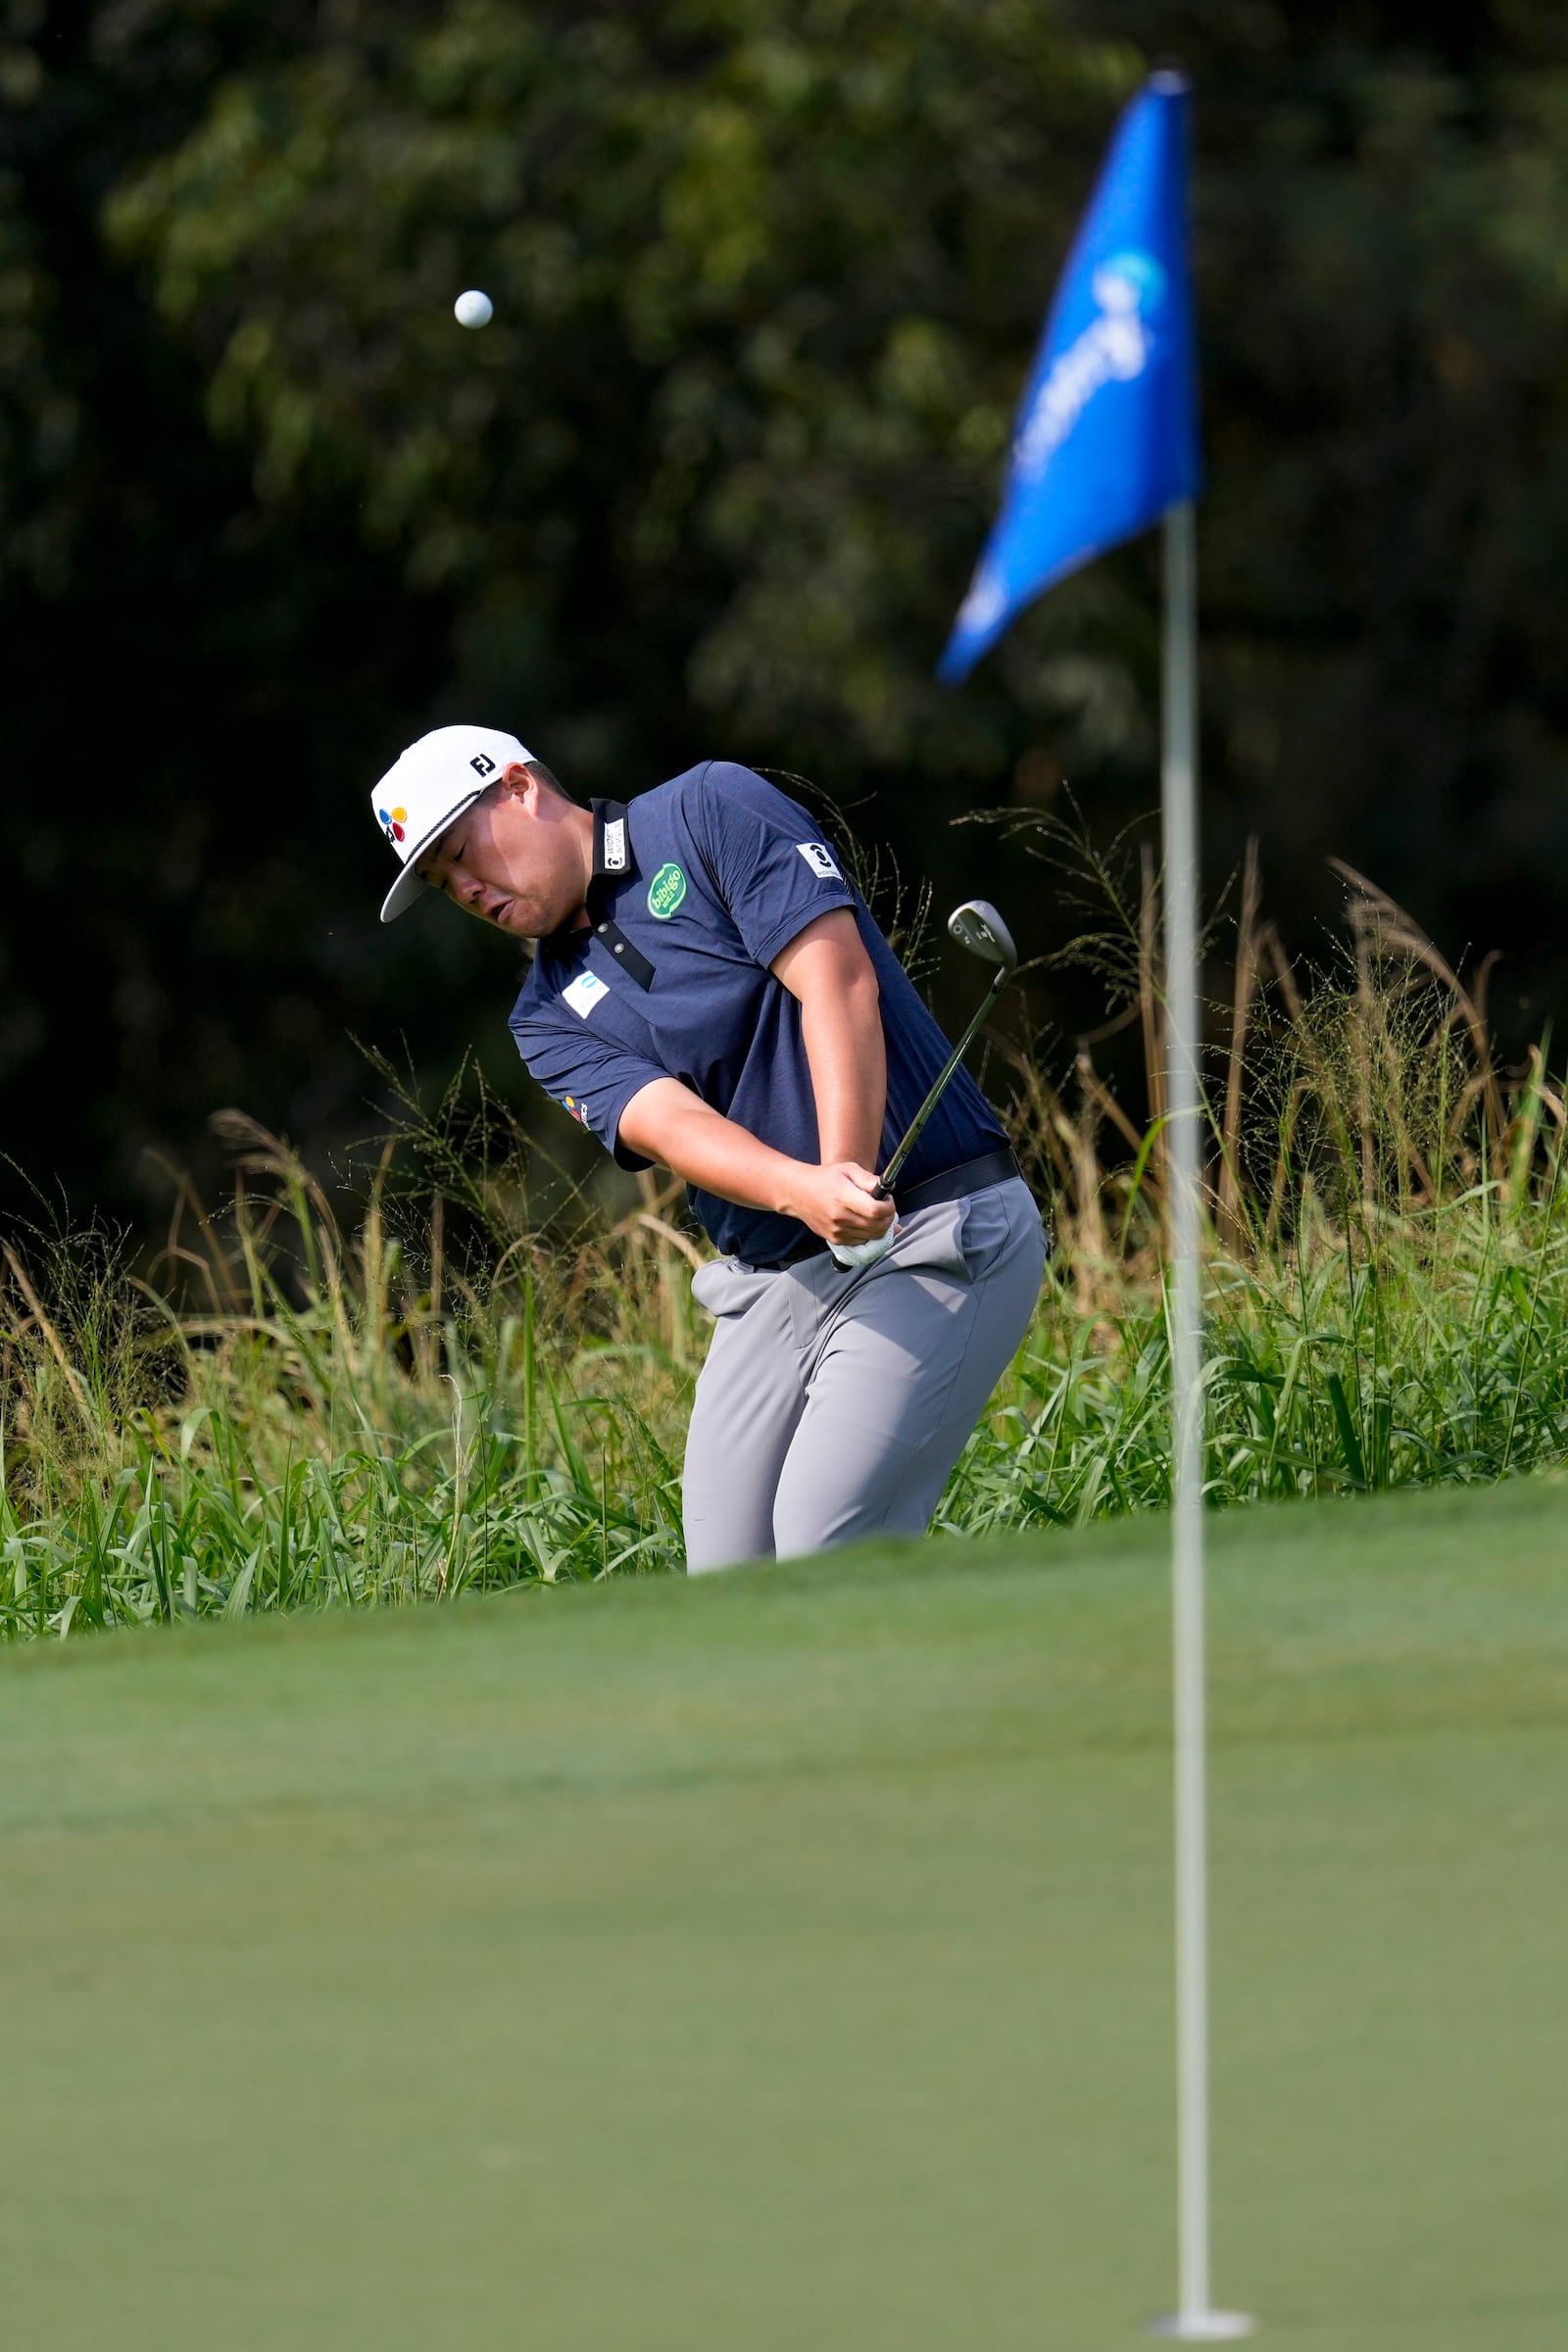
834, 1401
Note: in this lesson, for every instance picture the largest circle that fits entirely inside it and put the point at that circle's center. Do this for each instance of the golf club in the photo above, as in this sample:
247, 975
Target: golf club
977, 926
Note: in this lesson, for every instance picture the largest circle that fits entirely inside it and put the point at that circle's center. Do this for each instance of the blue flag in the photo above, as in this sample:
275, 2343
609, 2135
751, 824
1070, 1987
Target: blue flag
1107, 437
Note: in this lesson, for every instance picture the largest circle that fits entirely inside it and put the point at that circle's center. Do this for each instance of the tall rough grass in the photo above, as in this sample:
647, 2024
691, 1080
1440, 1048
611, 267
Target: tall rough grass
463, 1390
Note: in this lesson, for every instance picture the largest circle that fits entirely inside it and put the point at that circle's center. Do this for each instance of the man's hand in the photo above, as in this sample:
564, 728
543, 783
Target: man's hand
837, 1201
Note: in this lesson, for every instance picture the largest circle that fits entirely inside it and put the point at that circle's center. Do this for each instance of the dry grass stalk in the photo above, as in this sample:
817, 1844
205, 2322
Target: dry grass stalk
50, 1336
1229, 1221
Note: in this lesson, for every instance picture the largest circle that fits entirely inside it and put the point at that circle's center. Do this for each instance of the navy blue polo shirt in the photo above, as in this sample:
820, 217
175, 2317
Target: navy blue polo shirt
697, 886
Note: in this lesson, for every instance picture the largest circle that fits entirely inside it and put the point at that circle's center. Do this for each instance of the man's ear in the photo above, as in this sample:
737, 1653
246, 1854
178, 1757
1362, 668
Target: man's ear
517, 779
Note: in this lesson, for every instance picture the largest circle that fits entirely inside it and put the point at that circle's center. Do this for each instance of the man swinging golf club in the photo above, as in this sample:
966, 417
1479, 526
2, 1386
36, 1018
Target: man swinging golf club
709, 992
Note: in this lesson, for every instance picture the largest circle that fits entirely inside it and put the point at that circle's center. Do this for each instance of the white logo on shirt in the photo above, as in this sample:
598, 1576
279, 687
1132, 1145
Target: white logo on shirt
615, 846
584, 993
819, 858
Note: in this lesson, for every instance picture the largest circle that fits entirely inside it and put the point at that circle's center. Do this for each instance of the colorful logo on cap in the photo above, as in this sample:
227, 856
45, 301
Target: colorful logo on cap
392, 823
666, 892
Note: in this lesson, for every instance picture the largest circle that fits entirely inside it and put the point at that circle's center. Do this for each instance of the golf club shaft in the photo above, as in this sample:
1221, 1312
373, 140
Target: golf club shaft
912, 1134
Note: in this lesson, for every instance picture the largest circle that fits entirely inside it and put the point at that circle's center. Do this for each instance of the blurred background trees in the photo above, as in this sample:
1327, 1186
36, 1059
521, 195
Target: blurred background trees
767, 274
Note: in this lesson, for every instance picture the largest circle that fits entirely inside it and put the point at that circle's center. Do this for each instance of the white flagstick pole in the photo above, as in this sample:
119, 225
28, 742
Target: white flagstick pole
1195, 2321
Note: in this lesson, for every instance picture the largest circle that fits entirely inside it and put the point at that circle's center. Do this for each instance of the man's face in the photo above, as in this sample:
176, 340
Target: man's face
520, 858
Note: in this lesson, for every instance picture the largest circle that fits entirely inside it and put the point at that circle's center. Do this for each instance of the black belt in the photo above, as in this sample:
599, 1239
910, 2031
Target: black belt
953, 1184
970, 1176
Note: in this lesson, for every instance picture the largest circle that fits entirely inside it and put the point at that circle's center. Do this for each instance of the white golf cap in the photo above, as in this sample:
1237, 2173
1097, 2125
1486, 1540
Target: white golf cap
428, 787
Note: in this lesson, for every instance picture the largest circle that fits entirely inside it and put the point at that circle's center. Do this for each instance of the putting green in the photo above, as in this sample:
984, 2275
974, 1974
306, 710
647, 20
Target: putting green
783, 1960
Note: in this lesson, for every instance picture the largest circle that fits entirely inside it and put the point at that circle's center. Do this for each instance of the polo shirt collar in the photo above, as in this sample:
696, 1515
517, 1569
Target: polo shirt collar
611, 861
614, 859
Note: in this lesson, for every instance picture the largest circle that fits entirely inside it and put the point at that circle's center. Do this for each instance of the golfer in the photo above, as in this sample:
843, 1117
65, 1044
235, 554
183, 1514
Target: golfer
710, 993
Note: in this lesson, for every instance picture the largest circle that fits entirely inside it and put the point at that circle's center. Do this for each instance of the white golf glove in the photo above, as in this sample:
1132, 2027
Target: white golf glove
865, 1253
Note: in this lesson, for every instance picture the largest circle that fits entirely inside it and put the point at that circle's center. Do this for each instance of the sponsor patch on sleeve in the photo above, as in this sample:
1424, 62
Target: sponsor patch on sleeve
584, 993
820, 858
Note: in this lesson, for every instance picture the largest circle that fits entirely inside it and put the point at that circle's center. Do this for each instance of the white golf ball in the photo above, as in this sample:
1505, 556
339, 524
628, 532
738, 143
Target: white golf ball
473, 309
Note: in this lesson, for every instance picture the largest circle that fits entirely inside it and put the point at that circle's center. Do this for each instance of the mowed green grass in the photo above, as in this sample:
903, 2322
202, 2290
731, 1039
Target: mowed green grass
783, 1960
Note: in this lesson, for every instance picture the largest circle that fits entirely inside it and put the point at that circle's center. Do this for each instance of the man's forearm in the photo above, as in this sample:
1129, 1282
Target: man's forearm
847, 1054
666, 1121
829, 973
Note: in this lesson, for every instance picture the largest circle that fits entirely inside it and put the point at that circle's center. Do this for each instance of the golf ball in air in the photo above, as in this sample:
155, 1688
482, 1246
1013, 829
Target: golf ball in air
473, 309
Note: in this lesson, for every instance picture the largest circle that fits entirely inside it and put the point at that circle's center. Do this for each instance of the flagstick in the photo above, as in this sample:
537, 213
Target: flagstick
1195, 2321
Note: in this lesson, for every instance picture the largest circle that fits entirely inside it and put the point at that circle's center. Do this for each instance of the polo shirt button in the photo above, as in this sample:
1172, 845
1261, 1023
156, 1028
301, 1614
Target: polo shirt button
620, 946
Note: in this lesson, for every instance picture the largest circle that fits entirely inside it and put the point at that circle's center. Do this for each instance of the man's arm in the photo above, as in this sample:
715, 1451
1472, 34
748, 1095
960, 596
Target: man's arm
666, 1121
829, 973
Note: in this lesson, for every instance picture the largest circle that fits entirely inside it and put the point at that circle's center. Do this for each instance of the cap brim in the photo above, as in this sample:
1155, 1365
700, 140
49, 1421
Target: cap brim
408, 884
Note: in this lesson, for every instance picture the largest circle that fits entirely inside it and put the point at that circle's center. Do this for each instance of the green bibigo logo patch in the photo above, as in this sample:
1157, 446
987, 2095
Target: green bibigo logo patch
666, 892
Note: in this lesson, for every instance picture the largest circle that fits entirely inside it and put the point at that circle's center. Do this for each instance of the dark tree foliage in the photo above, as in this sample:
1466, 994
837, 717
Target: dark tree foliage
767, 273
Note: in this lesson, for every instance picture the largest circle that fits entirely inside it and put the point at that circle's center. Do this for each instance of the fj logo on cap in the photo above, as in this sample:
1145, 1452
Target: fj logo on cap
482, 765
666, 892
615, 846
820, 858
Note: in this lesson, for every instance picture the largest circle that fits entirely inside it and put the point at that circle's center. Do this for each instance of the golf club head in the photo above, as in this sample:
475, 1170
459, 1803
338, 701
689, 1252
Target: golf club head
977, 926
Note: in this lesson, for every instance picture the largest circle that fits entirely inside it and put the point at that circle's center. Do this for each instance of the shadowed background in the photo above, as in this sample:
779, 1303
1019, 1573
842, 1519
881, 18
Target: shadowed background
766, 279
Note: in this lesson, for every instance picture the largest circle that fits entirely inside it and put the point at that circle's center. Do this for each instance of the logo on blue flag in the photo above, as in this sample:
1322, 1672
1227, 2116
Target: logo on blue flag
1106, 436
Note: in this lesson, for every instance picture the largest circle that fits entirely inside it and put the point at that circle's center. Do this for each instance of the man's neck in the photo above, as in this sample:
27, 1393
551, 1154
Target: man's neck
583, 820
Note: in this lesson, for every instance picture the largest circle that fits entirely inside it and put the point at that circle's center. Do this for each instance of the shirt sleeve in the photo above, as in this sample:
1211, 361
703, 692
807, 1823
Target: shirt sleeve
774, 872
592, 1077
